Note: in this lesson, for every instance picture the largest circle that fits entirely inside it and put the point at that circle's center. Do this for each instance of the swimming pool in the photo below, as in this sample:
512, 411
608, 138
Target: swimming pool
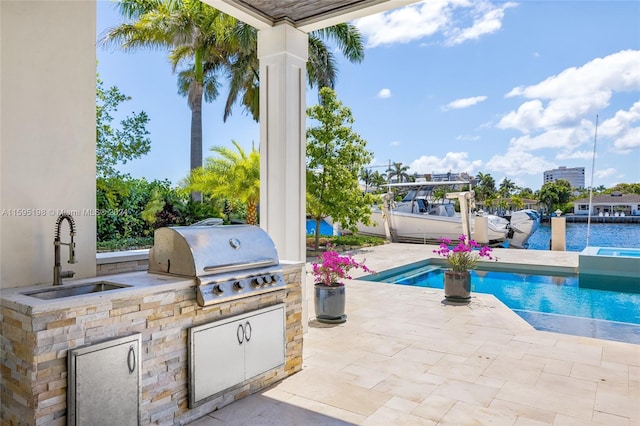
547, 302
627, 252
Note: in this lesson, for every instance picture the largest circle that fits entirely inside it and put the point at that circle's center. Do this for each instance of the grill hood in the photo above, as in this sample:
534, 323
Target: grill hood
198, 251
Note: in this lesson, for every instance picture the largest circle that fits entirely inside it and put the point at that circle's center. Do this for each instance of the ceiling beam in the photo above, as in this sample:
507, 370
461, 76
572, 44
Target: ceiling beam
360, 10
242, 13
347, 13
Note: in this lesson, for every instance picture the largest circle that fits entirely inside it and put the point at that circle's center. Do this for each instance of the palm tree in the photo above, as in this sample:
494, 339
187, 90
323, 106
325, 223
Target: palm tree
233, 175
398, 171
321, 67
486, 187
378, 179
366, 175
506, 187
194, 33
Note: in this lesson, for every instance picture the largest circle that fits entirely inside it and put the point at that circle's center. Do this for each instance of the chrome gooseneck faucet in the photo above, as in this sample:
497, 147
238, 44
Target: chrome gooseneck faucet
57, 273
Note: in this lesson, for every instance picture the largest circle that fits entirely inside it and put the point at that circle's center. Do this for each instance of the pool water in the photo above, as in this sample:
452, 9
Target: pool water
629, 252
547, 302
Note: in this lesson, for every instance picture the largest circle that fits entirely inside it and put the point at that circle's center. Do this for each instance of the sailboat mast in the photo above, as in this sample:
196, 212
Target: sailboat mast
593, 166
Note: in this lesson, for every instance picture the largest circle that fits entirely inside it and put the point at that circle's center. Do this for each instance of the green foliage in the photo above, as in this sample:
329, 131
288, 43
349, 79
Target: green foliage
373, 180
485, 189
626, 188
357, 240
439, 193
507, 187
343, 242
335, 157
195, 35
233, 175
244, 81
525, 193
517, 202
117, 144
121, 201
134, 208
555, 195
124, 244
398, 173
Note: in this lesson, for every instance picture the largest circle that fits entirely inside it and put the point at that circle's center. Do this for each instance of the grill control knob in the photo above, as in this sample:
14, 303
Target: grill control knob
238, 286
274, 280
267, 279
255, 283
217, 290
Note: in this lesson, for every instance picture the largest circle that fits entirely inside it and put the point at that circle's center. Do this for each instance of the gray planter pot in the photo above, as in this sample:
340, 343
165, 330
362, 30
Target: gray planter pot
330, 303
457, 286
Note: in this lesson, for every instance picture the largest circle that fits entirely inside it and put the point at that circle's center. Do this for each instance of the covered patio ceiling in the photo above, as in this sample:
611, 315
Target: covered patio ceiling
306, 15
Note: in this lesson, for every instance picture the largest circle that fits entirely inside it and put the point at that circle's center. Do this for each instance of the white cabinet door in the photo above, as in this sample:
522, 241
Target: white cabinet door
264, 349
217, 359
104, 383
225, 353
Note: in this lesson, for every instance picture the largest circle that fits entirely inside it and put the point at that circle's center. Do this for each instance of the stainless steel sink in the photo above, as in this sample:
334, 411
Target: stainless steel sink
74, 290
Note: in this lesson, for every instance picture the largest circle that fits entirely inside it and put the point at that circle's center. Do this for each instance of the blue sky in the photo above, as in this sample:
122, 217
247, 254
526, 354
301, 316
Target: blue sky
506, 88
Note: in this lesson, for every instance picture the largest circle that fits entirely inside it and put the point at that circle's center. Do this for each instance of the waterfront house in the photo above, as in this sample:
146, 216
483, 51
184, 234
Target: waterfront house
614, 204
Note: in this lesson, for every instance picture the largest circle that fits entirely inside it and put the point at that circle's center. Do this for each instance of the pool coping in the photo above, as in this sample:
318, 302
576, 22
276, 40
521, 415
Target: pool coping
534, 269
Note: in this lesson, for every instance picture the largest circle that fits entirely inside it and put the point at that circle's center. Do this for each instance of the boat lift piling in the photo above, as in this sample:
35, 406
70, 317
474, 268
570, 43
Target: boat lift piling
389, 230
463, 197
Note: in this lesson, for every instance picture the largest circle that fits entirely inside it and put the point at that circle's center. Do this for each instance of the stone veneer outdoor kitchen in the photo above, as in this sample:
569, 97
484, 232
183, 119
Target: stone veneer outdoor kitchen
36, 335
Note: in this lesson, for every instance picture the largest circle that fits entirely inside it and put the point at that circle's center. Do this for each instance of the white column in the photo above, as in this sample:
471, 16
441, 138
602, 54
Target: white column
283, 52
48, 137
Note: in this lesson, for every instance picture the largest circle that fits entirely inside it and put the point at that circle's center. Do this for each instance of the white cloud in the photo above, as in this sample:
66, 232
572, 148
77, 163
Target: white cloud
619, 129
487, 20
559, 113
605, 173
627, 142
464, 103
576, 155
395, 143
452, 161
384, 93
467, 138
471, 20
566, 139
517, 162
574, 93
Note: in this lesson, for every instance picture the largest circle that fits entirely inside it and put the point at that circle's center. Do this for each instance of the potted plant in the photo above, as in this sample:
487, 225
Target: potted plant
461, 259
329, 274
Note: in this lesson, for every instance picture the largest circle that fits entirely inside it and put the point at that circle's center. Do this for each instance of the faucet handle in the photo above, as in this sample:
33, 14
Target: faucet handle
67, 274
72, 252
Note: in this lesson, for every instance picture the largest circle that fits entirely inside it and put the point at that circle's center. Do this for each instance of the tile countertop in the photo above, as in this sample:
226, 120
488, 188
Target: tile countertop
139, 283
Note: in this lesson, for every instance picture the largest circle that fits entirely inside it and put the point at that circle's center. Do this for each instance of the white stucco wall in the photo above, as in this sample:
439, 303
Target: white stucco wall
47, 136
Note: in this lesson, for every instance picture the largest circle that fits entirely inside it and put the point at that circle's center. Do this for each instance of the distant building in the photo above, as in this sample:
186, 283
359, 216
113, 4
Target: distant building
574, 175
449, 176
614, 204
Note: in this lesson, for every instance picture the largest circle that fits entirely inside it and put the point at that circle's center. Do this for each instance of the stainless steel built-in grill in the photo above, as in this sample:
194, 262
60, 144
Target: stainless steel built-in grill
227, 262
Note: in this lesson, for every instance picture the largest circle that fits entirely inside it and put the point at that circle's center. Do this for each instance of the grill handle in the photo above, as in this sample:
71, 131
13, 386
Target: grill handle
230, 267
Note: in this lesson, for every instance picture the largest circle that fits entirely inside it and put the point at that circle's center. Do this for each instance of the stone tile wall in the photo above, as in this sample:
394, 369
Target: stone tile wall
121, 262
34, 351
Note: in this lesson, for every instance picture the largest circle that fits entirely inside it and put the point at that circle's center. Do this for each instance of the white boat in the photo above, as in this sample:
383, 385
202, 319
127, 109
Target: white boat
419, 218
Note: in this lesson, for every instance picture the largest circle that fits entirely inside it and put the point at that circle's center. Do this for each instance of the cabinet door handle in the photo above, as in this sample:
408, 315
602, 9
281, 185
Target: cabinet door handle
240, 334
131, 359
247, 331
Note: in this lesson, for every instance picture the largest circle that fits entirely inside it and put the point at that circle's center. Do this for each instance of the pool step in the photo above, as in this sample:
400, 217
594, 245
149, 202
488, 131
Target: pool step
412, 274
577, 326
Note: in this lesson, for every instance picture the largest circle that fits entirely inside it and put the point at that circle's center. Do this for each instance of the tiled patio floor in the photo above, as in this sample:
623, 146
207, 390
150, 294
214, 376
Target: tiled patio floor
405, 358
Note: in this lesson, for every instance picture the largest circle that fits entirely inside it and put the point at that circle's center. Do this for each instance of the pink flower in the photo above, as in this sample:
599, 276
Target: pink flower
332, 268
464, 255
